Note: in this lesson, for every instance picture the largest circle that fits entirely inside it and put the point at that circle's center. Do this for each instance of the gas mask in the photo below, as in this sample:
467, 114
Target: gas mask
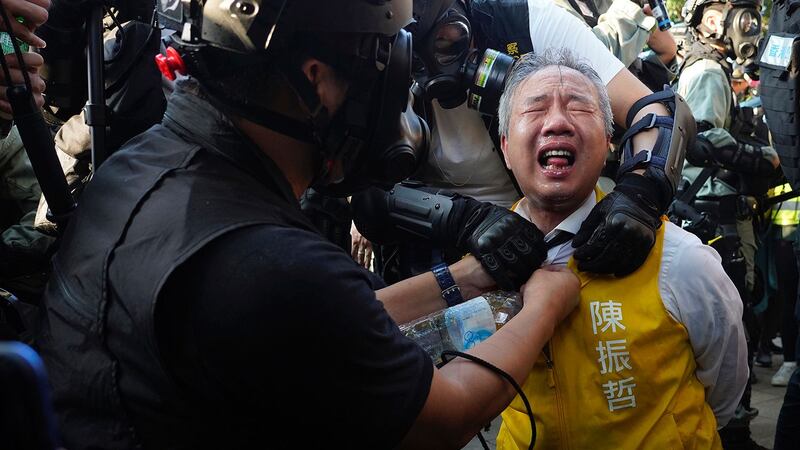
742, 33
447, 69
395, 140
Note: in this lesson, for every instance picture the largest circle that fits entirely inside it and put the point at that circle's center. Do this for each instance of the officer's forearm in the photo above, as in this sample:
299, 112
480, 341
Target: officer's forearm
464, 396
420, 295
646, 140
746, 159
624, 90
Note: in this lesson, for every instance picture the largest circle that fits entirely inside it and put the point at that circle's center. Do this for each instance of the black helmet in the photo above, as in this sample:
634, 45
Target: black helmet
692, 10
244, 53
254, 25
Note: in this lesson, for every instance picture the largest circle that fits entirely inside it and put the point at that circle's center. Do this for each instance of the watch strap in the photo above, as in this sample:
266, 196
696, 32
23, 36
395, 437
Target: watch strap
450, 291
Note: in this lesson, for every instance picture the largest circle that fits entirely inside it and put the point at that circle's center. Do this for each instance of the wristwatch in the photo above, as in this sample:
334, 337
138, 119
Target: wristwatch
450, 291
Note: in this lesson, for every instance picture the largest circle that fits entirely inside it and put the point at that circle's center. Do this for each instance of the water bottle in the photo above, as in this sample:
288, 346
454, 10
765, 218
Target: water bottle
463, 326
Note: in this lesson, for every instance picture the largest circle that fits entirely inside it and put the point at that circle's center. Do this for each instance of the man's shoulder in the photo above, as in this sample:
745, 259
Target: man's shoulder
692, 281
676, 234
281, 248
678, 240
153, 139
686, 258
288, 258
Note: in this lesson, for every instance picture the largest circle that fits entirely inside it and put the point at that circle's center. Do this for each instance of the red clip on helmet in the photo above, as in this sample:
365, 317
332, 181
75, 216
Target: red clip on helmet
170, 64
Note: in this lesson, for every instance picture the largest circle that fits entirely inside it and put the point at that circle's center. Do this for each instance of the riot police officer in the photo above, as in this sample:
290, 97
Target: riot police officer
192, 302
723, 172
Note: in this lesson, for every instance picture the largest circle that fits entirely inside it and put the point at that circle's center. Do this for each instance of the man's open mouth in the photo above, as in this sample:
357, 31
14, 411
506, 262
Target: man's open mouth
556, 159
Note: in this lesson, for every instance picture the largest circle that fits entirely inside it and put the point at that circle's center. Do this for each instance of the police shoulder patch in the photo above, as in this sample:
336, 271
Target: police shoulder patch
777, 52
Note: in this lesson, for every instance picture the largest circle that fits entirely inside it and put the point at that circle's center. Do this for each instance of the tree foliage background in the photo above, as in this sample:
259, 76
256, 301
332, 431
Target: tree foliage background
674, 8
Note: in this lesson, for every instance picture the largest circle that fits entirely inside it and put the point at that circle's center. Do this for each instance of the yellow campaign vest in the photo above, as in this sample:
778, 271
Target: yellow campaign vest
621, 374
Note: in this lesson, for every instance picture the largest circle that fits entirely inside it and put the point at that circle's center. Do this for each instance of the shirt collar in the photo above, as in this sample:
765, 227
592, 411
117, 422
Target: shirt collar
573, 222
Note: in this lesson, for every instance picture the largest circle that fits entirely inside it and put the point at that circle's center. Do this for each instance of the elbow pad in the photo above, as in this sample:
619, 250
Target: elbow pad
675, 134
403, 214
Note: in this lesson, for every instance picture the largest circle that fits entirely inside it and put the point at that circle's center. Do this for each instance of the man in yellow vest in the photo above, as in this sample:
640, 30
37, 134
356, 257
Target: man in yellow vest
653, 360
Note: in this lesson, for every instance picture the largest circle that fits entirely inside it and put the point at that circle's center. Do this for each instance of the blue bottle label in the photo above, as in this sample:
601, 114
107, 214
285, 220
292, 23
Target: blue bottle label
470, 323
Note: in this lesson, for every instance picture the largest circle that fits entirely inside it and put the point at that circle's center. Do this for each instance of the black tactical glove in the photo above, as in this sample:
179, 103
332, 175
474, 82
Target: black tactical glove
509, 247
621, 229
701, 154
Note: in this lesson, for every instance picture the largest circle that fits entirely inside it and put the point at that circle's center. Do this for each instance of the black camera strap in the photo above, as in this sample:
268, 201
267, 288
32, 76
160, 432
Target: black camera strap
505, 376
494, 133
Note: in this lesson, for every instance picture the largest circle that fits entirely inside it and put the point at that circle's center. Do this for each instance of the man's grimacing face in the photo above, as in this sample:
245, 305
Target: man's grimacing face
557, 143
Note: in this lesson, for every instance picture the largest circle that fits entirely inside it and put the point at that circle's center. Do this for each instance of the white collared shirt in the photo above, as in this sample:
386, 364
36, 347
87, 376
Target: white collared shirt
697, 293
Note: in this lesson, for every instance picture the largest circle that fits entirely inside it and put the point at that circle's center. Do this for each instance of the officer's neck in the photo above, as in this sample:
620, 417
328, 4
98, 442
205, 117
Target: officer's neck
293, 157
718, 47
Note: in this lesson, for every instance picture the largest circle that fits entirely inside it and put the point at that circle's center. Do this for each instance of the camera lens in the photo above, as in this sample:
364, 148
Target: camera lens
487, 73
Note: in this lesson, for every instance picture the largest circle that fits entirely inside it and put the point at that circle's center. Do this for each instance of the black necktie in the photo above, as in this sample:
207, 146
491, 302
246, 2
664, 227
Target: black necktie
560, 237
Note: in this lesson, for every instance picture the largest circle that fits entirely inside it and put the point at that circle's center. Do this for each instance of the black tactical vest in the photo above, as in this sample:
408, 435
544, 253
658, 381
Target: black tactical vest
151, 206
779, 87
503, 25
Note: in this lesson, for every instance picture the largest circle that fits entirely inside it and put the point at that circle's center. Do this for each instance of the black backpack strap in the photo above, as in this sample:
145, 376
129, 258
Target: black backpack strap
690, 193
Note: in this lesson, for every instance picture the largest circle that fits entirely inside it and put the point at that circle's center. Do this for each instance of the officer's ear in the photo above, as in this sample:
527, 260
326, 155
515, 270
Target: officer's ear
712, 20
331, 88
